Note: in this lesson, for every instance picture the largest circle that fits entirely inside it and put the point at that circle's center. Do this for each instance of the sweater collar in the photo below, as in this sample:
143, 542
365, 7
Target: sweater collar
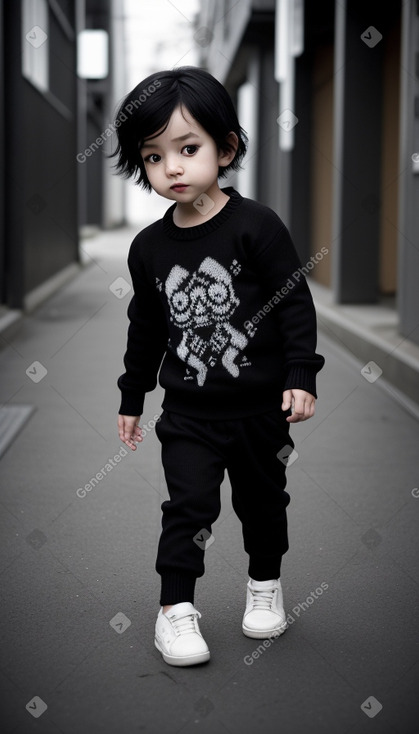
200, 230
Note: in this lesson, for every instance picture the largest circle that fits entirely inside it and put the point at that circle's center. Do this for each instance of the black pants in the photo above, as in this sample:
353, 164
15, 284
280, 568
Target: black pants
195, 454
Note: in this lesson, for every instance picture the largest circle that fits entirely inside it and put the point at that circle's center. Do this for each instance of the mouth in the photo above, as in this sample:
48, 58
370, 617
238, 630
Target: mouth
178, 187
201, 320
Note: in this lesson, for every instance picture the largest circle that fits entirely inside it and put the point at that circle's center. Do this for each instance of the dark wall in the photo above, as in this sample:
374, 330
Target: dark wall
97, 93
41, 228
2, 176
50, 213
93, 167
318, 30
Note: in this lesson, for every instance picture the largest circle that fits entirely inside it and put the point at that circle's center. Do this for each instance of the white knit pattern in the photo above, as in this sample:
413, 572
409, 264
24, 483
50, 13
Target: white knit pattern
201, 305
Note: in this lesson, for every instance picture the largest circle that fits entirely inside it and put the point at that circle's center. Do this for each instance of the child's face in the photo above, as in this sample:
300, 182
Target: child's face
182, 162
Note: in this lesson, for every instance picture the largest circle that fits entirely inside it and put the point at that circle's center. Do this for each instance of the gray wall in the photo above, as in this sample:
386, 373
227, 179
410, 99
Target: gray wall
408, 299
357, 156
2, 171
41, 231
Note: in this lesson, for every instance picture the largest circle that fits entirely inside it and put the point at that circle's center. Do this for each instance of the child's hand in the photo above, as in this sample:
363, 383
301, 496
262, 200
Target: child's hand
301, 402
129, 430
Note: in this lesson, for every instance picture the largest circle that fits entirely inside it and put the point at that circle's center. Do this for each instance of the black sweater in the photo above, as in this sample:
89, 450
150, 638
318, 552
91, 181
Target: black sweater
227, 307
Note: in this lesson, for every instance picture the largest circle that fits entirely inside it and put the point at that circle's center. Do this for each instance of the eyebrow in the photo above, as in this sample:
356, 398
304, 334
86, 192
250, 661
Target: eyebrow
174, 140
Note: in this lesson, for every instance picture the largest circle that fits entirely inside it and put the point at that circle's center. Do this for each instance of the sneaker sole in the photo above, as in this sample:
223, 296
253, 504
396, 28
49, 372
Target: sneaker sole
264, 634
184, 660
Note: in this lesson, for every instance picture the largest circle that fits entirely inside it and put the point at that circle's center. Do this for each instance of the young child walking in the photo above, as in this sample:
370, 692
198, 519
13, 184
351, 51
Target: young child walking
222, 312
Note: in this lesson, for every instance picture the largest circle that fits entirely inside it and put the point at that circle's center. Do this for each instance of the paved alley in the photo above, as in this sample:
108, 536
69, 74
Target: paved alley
80, 523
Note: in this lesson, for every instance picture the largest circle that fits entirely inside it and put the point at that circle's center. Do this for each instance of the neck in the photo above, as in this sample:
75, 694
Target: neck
188, 215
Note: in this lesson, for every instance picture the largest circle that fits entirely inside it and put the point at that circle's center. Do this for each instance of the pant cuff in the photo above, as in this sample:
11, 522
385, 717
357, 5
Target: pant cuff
265, 569
176, 588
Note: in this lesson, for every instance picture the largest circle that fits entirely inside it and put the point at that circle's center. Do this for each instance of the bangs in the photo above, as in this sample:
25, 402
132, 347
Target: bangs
147, 109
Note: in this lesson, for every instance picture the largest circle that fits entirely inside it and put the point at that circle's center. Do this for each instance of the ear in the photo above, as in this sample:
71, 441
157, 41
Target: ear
174, 279
226, 156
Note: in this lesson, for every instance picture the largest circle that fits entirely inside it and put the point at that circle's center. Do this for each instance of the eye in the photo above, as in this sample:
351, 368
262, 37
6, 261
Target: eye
180, 301
152, 158
197, 294
190, 149
218, 293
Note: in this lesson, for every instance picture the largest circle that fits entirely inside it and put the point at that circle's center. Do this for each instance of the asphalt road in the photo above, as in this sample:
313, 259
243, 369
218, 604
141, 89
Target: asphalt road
79, 589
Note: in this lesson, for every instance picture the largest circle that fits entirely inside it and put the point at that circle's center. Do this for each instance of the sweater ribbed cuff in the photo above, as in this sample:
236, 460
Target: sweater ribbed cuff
131, 405
299, 378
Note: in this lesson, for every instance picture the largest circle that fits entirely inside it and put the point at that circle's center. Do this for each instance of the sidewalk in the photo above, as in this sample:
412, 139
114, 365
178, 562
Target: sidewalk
79, 589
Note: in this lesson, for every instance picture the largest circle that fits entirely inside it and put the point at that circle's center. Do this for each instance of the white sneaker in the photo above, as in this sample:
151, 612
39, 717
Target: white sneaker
178, 637
264, 615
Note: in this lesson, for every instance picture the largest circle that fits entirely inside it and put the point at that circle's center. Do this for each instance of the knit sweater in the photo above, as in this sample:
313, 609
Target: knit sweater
223, 310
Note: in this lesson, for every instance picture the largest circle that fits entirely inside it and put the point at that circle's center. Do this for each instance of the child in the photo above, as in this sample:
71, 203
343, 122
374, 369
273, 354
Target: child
221, 307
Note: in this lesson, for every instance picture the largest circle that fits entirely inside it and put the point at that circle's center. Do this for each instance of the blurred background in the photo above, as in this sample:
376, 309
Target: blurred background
328, 93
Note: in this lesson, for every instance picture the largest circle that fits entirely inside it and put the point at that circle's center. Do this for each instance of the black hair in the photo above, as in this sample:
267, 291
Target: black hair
149, 106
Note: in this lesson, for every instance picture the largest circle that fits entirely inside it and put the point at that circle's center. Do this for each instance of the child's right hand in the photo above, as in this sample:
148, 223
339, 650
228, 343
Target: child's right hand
129, 430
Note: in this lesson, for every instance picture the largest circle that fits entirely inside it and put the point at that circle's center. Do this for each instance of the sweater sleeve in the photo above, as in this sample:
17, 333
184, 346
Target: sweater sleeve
147, 341
278, 266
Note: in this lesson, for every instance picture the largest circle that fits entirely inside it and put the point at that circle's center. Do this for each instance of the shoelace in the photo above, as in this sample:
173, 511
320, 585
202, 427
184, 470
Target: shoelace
183, 625
262, 598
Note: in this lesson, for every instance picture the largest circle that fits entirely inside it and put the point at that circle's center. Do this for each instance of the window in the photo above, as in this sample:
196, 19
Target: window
35, 44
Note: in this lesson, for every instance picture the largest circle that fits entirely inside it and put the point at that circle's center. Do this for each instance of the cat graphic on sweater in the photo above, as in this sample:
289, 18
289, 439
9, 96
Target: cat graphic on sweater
201, 304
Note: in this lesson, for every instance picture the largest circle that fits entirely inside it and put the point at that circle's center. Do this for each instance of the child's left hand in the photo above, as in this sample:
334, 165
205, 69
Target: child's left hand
301, 402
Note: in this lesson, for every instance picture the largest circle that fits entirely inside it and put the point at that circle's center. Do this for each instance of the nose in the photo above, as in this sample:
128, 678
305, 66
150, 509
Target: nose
173, 166
199, 307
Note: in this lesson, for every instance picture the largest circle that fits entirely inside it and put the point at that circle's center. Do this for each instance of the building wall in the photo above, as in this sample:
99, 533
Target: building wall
408, 219
321, 163
221, 26
390, 161
51, 116
2, 169
349, 183
48, 190
40, 219
357, 153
